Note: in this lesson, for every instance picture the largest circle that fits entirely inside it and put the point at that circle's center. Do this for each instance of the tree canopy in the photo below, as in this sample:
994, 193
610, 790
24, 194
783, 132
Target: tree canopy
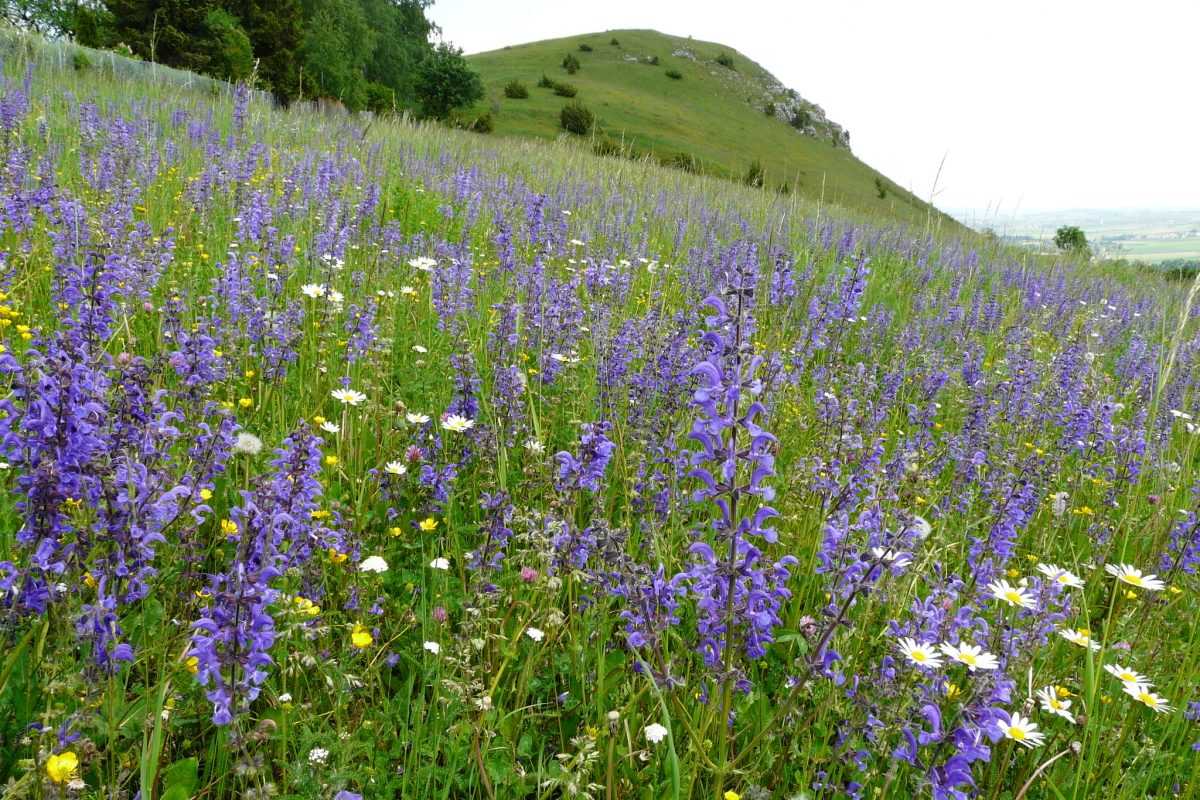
1070, 237
444, 82
365, 53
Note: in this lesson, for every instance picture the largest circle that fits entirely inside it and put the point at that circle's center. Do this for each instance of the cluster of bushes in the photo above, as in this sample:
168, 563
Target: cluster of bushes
481, 122
801, 119
515, 90
674, 74
1180, 268
571, 64
565, 89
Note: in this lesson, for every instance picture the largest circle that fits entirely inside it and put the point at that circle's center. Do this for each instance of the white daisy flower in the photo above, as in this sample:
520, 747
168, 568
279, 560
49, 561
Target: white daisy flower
1127, 676
407, 290
312, 290
1177, 414
974, 657
533, 445
440, 563
395, 468
348, 396
433, 647
1013, 595
416, 419
891, 557
1142, 693
416, 348
655, 733
1060, 575
1134, 577
535, 634
923, 655
1023, 731
457, 424
423, 263
1079, 637
374, 564
331, 427
336, 296
1050, 701
286, 697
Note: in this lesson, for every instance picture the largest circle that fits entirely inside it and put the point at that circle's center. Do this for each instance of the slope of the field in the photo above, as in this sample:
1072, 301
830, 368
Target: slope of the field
713, 113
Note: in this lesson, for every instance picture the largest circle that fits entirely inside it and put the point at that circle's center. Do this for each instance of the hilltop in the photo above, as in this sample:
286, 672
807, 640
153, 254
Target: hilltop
724, 115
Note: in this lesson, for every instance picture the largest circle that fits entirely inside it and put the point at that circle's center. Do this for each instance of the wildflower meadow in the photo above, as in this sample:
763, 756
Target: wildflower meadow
356, 459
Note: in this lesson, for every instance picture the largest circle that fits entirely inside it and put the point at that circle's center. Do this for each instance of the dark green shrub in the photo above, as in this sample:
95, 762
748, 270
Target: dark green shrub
785, 188
614, 42
584, 47
379, 98
801, 119
445, 81
684, 161
652, 61
880, 188
755, 175
80, 60
674, 74
565, 89
571, 64
577, 118
477, 123
725, 60
545, 82
769, 109
606, 145
515, 90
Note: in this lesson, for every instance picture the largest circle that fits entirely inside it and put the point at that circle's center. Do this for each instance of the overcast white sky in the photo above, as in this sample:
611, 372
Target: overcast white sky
1050, 103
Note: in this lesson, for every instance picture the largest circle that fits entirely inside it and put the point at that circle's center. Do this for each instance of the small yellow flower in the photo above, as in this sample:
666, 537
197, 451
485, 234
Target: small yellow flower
217, 354
1176, 590
394, 531
62, 767
203, 595
335, 556
318, 419
952, 691
249, 373
192, 664
428, 524
732, 796
245, 402
1062, 691
1130, 594
361, 637
1013, 573
320, 514
205, 494
229, 527
331, 460
89, 580
306, 606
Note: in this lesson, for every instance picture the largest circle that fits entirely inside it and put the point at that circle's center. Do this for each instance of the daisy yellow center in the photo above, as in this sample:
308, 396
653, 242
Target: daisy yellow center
1062, 578
1128, 677
1014, 597
967, 658
1017, 733
1054, 703
1148, 699
917, 655
1134, 579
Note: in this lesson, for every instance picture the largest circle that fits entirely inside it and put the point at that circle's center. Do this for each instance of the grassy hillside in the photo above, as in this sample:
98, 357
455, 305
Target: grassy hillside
713, 112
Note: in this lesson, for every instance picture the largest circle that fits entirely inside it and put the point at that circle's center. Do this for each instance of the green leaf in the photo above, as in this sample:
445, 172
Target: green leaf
181, 779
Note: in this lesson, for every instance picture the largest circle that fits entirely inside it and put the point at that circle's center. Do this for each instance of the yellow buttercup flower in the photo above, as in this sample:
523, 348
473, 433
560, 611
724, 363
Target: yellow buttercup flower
192, 664
205, 494
245, 402
428, 524
62, 767
336, 557
394, 531
228, 527
89, 580
361, 637
331, 460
